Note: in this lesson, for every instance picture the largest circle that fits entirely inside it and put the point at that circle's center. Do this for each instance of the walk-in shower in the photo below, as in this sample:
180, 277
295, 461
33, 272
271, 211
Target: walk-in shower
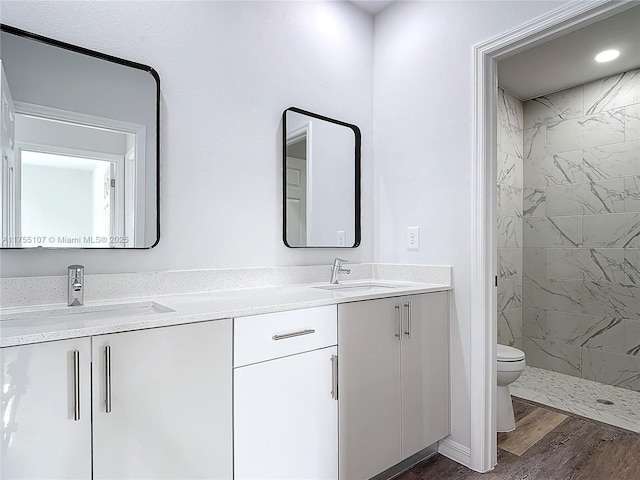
568, 205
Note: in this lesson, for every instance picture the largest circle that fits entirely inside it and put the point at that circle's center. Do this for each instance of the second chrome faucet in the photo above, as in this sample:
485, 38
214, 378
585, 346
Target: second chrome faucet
337, 269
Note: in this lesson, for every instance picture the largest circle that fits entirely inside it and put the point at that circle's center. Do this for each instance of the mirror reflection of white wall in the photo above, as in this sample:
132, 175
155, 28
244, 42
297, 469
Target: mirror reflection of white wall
333, 185
329, 163
65, 198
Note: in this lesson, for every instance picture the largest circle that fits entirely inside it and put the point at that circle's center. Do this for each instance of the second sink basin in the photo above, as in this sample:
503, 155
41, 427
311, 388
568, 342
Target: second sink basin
359, 287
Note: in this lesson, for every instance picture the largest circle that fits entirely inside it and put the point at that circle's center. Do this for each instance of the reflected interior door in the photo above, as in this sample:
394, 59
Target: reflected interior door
296, 201
7, 167
108, 205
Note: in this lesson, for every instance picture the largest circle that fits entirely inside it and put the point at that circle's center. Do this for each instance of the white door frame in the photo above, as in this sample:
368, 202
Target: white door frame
569, 17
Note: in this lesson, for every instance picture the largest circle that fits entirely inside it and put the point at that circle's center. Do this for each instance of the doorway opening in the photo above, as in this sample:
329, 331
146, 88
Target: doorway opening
563, 20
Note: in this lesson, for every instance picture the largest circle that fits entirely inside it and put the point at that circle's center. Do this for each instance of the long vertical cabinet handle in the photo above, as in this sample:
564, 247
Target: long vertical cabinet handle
408, 331
399, 319
107, 375
76, 385
334, 377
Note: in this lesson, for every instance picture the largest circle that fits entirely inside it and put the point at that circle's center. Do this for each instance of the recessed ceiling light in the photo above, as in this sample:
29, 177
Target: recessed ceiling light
607, 56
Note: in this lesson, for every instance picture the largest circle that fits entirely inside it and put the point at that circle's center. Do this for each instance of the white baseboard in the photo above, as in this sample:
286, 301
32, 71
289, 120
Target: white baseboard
455, 451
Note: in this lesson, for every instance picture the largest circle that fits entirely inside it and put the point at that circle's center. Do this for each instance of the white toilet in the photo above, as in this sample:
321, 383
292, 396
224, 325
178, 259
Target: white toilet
511, 364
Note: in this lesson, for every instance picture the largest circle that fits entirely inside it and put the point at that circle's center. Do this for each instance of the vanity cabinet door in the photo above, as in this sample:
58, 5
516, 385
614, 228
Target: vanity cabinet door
162, 403
46, 410
286, 419
425, 370
369, 386
394, 380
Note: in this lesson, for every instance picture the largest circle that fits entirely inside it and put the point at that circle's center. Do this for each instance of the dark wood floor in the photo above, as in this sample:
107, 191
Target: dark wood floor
548, 445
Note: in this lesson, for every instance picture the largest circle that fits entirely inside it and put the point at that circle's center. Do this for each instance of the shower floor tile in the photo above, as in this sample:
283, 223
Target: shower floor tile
580, 396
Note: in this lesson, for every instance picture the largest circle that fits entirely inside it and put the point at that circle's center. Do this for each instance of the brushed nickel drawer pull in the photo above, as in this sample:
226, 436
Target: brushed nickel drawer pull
293, 334
399, 319
76, 385
334, 377
408, 307
107, 374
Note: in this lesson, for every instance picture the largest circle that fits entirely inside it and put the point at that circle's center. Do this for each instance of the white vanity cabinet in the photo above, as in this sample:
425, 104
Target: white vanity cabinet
285, 395
339, 391
161, 401
393, 380
45, 426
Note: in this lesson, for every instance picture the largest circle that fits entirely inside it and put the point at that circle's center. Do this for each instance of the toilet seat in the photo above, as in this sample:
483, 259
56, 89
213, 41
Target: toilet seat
509, 354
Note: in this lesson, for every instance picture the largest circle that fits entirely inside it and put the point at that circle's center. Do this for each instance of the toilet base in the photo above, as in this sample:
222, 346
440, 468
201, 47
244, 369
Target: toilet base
506, 420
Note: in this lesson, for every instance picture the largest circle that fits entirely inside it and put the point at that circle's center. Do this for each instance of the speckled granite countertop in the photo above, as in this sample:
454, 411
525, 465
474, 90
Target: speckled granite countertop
26, 325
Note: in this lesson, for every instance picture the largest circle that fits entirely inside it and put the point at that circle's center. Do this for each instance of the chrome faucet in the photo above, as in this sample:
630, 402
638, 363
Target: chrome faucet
75, 283
337, 269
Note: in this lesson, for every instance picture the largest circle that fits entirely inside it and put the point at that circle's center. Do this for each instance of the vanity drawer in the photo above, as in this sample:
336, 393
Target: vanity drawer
263, 337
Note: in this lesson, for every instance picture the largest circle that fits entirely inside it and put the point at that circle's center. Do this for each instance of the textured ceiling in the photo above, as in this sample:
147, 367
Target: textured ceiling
567, 61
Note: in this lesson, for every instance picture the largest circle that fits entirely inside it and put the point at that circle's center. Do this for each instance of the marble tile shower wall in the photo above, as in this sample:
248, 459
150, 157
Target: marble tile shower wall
509, 203
581, 231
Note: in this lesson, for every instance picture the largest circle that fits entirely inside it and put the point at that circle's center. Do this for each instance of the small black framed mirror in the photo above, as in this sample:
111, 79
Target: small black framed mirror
321, 181
80, 147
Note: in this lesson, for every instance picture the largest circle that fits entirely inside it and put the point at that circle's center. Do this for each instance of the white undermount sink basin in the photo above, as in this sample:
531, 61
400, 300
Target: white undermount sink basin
358, 287
89, 313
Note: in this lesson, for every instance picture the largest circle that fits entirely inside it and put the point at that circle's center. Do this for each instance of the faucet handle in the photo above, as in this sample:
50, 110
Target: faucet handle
340, 261
75, 270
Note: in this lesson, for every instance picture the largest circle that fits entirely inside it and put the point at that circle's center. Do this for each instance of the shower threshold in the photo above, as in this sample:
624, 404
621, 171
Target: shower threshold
615, 406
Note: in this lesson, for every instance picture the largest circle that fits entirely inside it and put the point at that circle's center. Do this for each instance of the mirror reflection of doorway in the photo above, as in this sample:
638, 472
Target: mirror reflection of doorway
54, 155
8, 192
296, 200
321, 198
298, 169
70, 199
68, 179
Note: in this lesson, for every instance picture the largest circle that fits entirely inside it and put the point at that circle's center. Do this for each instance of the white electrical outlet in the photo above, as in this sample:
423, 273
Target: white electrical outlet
341, 238
413, 238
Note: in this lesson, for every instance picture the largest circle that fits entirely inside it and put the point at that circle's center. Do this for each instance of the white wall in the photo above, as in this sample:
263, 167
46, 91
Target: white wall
423, 114
49, 192
227, 70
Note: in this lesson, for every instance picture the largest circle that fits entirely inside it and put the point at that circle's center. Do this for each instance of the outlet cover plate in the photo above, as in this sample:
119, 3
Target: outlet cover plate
413, 238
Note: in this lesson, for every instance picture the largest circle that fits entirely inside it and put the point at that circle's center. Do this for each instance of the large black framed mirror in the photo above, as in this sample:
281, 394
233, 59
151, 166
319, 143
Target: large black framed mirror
321, 181
80, 147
